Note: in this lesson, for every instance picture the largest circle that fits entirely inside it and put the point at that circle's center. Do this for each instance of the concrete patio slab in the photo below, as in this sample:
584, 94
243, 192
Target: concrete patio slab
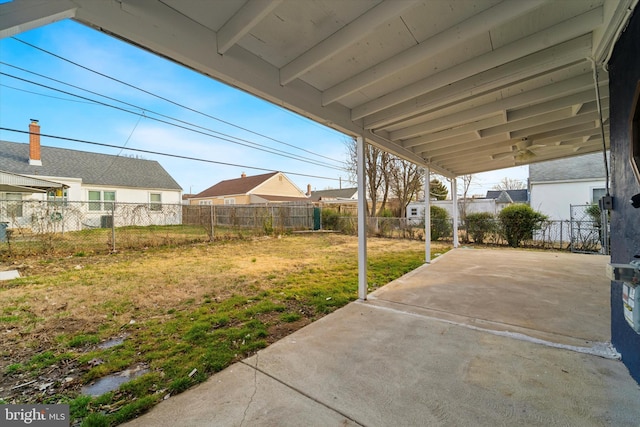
431, 349
556, 296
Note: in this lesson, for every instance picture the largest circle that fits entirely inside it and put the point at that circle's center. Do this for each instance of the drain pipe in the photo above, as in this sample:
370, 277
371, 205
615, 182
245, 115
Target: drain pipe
604, 142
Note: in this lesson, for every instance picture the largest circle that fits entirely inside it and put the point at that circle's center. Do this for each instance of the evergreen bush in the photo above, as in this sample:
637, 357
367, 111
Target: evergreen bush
479, 225
518, 222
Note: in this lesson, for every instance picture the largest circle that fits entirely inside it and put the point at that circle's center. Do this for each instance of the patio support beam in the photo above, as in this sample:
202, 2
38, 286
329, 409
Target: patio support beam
344, 38
454, 198
427, 215
448, 39
545, 93
482, 73
243, 21
362, 220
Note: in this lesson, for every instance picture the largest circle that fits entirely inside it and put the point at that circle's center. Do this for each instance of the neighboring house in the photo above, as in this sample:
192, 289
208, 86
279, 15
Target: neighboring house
495, 201
273, 187
93, 178
557, 184
335, 195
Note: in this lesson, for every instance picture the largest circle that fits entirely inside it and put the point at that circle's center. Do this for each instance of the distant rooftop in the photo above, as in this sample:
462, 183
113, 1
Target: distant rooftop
92, 168
589, 166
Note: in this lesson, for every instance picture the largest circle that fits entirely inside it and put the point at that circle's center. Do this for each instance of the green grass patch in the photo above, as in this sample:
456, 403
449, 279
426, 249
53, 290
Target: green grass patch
290, 317
83, 340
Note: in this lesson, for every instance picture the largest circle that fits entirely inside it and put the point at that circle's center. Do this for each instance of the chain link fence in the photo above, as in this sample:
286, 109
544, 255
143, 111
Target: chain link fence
587, 232
31, 227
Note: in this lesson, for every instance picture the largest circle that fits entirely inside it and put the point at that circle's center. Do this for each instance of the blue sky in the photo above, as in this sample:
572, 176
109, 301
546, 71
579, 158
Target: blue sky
64, 115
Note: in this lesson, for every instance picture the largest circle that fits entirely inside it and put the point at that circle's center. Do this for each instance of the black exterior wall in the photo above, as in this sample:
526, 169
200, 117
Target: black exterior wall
624, 76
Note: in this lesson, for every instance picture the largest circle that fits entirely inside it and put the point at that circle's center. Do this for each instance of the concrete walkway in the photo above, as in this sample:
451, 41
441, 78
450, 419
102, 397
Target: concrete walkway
479, 337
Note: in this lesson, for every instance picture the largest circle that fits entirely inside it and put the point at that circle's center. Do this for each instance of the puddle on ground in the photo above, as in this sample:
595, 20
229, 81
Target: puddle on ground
112, 342
113, 381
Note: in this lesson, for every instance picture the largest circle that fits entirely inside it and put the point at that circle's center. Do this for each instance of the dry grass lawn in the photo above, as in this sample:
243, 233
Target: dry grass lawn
197, 307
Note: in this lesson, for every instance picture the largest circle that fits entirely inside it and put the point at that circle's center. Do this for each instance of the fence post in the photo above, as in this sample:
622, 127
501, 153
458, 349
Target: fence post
212, 215
561, 222
113, 226
64, 218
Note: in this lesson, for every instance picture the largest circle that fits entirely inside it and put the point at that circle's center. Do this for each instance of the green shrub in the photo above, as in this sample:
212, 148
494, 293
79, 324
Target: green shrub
518, 222
479, 225
594, 213
440, 224
330, 219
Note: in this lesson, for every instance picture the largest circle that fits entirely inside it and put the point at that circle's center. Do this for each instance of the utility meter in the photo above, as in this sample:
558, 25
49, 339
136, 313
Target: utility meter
629, 274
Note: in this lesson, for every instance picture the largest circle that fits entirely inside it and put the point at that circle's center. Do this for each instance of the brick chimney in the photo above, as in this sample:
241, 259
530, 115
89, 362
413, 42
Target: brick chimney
34, 143
308, 190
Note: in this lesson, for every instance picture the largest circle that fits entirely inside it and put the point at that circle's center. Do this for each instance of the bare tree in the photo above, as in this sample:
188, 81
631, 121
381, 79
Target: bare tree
405, 180
376, 173
509, 184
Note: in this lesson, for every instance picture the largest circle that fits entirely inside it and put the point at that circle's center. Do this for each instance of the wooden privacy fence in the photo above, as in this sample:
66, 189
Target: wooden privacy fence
285, 216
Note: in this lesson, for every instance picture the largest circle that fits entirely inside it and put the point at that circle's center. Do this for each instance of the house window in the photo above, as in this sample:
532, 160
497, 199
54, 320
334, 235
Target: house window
97, 197
230, 201
414, 211
205, 202
14, 205
155, 201
597, 194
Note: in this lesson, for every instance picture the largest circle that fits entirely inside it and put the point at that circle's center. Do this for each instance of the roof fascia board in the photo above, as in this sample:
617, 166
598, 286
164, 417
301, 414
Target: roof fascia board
595, 179
18, 17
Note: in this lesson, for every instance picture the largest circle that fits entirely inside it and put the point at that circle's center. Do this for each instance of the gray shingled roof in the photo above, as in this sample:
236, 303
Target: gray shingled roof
517, 196
92, 168
589, 166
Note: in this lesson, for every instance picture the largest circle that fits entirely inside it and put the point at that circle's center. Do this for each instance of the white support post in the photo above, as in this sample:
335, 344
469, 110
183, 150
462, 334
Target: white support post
362, 220
427, 216
454, 197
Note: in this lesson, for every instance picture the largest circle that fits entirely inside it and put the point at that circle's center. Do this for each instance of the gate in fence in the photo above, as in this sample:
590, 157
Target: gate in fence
589, 228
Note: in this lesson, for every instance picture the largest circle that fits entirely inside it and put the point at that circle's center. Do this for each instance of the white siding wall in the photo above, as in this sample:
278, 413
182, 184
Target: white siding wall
554, 198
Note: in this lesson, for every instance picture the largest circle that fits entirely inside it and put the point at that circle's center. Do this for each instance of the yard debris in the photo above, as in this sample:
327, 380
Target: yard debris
22, 385
44, 386
193, 372
95, 362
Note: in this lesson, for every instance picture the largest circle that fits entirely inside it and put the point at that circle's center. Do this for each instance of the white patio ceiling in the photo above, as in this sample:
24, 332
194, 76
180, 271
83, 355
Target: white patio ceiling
461, 86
